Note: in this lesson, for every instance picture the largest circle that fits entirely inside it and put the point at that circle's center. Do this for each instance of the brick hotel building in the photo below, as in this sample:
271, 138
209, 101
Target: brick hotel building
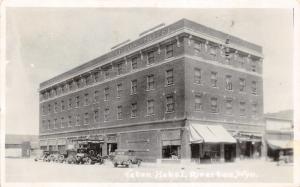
182, 91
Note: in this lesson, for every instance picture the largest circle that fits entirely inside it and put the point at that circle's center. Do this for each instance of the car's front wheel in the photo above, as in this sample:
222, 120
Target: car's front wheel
115, 165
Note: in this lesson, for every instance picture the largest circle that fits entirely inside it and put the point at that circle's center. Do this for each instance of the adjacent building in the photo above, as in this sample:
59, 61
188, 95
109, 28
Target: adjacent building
182, 91
279, 133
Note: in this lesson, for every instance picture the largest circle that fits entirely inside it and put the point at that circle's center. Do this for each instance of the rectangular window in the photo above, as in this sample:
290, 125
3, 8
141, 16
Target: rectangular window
214, 104
119, 90
77, 102
197, 47
70, 103
77, 120
86, 99
77, 82
197, 76
55, 107
106, 73
70, 85
213, 51
106, 94
62, 122
228, 80
96, 96
169, 77
133, 110
214, 79
70, 121
150, 82
253, 66
96, 76
119, 68
228, 105
63, 105
55, 123
134, 63
106, 114
254, 88
242, 84
170, 103
198, 102
49, 108
133, 86
86, 118
169, 51
242, 108
96, 115
119, 116
150, 107
150, 57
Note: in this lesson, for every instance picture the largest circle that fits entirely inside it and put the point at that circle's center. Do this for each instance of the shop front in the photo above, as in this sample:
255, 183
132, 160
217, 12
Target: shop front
171, 144
211, 143
249, 145
277, 148
112, 144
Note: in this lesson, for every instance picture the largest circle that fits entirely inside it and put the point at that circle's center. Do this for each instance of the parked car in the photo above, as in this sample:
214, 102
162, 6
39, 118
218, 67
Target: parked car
43, 156
126, 158
285, 156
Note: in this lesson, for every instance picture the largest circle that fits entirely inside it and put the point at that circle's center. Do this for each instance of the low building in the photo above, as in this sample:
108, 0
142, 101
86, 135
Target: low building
17, 146
279, 133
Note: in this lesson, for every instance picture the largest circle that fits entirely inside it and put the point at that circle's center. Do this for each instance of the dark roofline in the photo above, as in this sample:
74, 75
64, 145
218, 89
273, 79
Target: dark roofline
139, 42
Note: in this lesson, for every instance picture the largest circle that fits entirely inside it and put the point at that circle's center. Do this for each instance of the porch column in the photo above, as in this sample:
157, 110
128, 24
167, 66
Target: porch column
104, 147
222, 154
237, 151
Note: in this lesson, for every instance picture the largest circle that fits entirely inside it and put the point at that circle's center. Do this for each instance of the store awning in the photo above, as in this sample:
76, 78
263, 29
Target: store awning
280, 144
209, 134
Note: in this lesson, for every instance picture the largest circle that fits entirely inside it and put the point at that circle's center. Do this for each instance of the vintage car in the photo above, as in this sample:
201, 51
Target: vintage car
42, 156
126, 158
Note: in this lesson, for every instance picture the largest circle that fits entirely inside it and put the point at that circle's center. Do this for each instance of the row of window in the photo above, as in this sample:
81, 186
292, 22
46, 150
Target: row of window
228, 81
214, 106
225, 53
150, 86
94, 76
170, 107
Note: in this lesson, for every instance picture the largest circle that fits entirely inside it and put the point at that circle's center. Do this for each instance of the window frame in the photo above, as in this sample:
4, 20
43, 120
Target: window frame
148, 106
168, 103
171, 77
133, 88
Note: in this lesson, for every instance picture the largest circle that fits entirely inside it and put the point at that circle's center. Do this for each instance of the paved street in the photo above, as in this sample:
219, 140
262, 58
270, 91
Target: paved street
26, 170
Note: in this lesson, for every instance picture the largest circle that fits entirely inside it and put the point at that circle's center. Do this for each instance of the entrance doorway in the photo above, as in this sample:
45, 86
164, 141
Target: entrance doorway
229, 152
111, 148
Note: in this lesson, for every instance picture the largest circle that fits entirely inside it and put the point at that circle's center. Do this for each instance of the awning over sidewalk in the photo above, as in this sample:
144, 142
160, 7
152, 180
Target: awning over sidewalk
280, 144
209, 134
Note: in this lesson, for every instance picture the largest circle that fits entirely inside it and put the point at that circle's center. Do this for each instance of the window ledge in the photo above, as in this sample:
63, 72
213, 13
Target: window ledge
147, 90
168, 85
170, 112
148, 115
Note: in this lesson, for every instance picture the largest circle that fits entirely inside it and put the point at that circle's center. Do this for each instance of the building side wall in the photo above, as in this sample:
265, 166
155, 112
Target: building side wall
205, 89
158, 94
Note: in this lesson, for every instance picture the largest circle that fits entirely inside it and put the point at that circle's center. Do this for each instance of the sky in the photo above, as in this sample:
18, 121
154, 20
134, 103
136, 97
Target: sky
44, 42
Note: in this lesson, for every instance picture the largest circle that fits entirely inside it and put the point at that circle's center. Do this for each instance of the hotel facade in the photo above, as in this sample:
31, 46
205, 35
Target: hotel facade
182, 91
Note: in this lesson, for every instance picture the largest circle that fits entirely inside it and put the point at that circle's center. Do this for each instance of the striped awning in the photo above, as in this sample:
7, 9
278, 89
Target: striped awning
209, 134
280, 144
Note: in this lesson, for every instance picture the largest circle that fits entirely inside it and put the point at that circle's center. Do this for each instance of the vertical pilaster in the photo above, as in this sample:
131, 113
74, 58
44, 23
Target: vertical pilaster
222, 152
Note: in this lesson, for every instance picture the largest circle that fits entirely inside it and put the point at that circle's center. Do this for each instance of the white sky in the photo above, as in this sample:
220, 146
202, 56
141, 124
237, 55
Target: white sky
44, 42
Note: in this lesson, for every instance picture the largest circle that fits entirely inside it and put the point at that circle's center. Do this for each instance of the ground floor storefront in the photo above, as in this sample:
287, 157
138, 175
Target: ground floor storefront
170, 141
